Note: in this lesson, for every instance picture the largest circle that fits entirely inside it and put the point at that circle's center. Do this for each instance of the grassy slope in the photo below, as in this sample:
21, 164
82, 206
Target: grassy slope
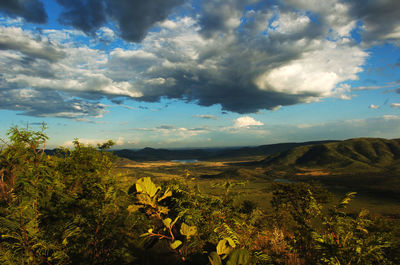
360, 154
368, 165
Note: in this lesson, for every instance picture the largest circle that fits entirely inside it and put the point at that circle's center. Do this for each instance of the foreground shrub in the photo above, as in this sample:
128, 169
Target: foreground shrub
68, 208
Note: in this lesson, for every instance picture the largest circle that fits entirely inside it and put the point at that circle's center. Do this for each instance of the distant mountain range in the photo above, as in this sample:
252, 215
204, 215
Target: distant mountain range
151, 154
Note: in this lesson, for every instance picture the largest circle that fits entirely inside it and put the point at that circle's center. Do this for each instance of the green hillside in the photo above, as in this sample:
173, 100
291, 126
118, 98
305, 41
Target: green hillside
360, 154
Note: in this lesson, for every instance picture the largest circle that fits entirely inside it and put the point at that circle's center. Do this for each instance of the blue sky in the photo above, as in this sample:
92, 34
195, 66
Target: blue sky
181, 73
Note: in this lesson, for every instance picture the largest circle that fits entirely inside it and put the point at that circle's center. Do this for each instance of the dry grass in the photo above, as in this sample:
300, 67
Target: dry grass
312, 172
155, 164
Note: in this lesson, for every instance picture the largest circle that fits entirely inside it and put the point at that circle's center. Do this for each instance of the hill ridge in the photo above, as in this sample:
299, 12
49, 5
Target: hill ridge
365, 154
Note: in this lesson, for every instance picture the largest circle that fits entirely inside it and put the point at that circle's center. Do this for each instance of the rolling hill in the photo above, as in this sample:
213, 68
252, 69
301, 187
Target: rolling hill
359, 154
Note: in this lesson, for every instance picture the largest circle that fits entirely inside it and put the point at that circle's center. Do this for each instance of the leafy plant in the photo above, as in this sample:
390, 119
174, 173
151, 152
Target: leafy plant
69, 208
149, 198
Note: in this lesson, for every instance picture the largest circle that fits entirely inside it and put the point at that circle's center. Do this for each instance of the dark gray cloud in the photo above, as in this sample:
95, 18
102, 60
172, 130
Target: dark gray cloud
381, 19
225, 89
132, 17
221, 16
30, 10
244, 55
135, 17
234, 71
86, 15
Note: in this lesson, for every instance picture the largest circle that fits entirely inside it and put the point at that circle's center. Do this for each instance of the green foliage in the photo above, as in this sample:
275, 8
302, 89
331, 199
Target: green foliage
331, 236
188, 231
58, 209
149, 198
214, 259
239, 257
347, 240
232, 256
225, 246
69, 209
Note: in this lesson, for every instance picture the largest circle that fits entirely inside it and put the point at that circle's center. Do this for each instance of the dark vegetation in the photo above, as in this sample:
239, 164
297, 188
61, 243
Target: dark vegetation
69, 208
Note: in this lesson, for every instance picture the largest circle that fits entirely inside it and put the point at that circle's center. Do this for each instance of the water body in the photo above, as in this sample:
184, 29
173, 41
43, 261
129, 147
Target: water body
184, 161
283, 181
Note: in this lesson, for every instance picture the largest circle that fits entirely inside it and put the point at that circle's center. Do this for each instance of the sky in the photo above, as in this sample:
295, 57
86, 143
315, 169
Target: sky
192, 73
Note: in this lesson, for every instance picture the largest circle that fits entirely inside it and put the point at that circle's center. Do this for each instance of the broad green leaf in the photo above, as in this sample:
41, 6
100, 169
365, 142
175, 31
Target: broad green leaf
239, 257
187, 230
175, 244
214, 259
145, 185
225, 246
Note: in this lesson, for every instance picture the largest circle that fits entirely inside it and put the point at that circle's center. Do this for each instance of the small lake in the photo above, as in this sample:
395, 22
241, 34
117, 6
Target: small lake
185, 161
283, 181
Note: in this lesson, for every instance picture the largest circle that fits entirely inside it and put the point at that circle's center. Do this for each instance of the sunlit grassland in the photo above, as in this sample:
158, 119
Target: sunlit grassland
209, 177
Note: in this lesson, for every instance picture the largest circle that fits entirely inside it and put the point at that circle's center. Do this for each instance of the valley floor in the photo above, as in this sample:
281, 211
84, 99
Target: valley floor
210, 176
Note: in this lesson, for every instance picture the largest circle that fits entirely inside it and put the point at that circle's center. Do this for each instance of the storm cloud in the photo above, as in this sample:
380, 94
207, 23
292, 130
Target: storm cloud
132, 17
244, 55
30, 10
245, 71
380, 20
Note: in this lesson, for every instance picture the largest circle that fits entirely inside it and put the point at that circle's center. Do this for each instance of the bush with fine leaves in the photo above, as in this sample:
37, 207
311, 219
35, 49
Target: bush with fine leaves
68, 208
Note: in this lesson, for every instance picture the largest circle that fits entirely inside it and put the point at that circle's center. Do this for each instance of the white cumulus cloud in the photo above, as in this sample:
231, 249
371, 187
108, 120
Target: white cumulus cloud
246, 121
